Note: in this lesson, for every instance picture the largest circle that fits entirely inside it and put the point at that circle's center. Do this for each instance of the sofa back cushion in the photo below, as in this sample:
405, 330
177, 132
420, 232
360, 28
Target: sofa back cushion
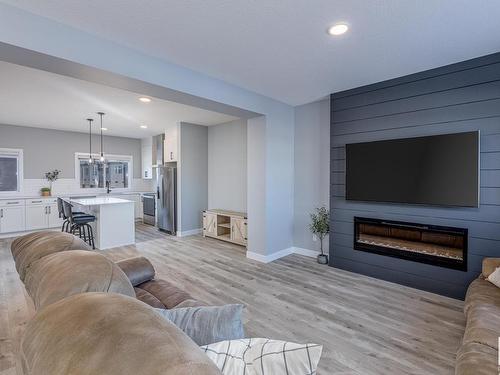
64, 274
104, 333
31, 247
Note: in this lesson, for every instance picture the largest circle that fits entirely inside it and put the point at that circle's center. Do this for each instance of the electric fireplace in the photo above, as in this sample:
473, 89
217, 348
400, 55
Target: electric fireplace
431, 244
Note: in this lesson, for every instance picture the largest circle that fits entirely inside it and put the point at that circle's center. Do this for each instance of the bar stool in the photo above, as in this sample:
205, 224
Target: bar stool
65, 226
80, 223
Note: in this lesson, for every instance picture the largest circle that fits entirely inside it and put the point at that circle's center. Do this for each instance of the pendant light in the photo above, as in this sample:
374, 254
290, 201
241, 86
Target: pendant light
90, 140
102, 152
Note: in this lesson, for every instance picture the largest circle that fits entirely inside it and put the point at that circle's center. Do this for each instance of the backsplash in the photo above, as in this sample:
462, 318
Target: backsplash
65, 186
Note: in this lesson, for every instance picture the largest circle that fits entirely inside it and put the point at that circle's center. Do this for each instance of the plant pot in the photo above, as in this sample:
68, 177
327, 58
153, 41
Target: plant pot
322, 259
45, 193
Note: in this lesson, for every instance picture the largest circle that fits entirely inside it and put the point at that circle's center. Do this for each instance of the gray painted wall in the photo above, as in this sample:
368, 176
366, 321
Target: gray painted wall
312, 168
45, 149
227, 166
194, 174
455, 98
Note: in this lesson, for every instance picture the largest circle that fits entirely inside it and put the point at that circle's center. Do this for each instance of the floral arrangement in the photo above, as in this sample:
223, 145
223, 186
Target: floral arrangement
50, 176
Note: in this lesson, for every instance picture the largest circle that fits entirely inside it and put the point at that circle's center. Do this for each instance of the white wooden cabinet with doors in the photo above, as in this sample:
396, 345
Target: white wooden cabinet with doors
171, 149
225, 225
42, 214
147, 158
12, 216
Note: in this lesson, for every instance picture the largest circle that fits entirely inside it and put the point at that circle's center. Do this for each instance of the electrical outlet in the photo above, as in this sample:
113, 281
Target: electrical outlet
315, 238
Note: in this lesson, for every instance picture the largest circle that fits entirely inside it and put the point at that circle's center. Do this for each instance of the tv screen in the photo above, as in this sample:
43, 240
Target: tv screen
434, 170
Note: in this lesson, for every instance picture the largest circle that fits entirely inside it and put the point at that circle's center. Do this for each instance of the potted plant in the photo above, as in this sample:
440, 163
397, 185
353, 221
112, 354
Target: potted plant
50, 176
45, 191
320, 227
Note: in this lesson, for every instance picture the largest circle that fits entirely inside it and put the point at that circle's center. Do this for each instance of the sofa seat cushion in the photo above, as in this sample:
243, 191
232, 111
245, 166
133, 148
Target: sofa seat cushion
481, 292
148, 298
483, 325
476, 359
106, 333
31, 247
165, 292
64, 274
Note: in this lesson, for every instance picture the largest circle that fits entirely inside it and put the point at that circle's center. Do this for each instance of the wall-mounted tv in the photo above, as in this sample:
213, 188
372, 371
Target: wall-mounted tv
434, 170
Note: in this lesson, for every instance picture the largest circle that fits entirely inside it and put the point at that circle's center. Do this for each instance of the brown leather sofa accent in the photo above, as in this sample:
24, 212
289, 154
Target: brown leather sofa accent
31, 247
106, 333
478, 354
60, 275
155, 292
138, 269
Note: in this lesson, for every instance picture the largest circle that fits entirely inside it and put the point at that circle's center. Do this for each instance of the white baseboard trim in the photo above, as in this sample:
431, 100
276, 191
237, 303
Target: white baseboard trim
305, 252
280, 254
269, 258
191, 232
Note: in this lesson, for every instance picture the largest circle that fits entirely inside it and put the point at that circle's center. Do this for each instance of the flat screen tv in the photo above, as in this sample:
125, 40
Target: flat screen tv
435, 170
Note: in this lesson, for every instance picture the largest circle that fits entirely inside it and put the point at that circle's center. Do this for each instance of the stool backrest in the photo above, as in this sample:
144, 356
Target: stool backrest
60, 208
68, 210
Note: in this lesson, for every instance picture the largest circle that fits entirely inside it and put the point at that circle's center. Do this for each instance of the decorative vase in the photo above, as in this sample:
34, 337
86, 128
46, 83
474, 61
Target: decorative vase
322, 259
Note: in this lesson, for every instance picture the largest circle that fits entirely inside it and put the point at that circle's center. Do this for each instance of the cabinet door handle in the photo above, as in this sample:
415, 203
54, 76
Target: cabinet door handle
171, 155
49, 209
14, 202
1, 212
45, 210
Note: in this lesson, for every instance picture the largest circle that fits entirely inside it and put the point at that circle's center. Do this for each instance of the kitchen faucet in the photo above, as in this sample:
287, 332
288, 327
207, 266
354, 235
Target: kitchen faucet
108, 190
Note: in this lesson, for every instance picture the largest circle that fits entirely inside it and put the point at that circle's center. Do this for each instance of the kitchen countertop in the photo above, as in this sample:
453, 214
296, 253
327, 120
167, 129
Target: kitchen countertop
99, 201
67, 195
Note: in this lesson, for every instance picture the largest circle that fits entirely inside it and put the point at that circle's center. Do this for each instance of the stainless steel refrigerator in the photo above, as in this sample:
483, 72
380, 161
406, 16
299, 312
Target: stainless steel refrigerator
166, 199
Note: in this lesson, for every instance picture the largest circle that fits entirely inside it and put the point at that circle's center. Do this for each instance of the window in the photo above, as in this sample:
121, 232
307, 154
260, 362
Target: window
11, 164
95, 175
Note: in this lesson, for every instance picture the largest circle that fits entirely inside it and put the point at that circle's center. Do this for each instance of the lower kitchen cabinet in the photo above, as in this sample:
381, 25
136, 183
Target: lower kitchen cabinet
42, 214
12, 216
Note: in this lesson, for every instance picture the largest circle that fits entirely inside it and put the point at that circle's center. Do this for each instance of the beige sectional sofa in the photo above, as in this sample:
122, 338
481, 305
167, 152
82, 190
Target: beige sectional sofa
89, 319
478, 354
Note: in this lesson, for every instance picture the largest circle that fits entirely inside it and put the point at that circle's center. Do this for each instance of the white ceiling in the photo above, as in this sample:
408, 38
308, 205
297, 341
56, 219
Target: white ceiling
30, 97
280, 48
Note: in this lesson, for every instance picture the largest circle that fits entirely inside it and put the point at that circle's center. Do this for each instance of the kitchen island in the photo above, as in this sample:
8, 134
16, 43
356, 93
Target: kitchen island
115, 220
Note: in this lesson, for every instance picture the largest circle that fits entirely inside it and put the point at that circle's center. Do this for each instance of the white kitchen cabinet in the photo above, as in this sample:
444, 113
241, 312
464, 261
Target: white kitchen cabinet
171, 144
36, 217
12, 216
53, 216
42, 214
147, 158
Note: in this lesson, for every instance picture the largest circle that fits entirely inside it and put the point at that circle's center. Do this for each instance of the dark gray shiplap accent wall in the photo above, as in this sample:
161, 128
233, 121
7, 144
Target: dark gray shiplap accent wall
454, 98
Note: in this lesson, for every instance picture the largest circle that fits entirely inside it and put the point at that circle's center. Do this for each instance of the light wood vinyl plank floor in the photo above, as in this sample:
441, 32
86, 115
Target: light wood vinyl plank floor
366, 326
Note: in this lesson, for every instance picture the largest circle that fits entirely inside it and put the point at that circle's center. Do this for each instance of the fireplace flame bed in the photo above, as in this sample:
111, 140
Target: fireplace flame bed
431, 244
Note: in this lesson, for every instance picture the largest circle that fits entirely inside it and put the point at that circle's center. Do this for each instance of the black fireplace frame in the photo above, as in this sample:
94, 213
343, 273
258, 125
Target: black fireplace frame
413, 256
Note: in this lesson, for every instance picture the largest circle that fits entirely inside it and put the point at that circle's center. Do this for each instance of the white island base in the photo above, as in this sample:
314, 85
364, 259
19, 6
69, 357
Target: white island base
115, 220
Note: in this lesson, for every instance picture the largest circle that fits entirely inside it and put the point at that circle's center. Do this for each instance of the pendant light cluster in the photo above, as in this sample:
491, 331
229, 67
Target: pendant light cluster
102, 158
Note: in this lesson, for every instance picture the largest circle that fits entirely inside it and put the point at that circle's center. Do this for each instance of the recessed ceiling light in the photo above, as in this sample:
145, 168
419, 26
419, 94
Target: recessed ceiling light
338, 29
144, 99
144, 126
104, 129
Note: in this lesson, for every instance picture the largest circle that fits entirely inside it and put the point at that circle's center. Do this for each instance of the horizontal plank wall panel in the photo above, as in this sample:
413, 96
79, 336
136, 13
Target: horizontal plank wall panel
455, 98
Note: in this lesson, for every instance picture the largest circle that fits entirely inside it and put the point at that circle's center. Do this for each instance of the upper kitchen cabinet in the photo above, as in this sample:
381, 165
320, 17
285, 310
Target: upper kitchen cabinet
171, 143
147, 158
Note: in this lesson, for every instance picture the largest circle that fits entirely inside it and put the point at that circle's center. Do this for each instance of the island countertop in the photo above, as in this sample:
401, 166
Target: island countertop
99, 201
